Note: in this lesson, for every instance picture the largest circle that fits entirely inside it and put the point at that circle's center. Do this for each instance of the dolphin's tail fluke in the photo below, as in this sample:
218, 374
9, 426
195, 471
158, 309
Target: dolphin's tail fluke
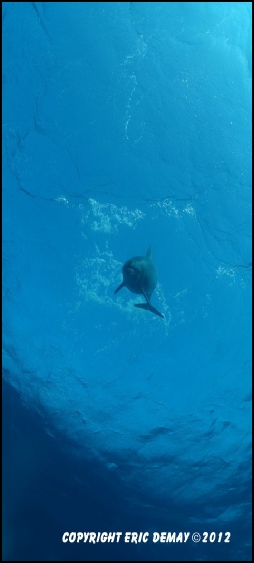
149, 307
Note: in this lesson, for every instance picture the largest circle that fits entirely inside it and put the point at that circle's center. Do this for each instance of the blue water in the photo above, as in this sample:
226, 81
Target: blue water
126, 124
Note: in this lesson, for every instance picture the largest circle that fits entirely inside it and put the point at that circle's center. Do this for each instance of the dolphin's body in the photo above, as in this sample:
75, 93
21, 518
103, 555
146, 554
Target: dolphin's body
139, 276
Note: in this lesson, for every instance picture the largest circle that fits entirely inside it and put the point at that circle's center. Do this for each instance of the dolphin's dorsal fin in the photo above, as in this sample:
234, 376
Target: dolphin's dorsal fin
149, 252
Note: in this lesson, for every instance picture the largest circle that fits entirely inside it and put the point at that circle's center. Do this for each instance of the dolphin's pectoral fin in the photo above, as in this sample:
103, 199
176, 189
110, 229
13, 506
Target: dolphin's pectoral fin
149, 307
145, 296
119, 287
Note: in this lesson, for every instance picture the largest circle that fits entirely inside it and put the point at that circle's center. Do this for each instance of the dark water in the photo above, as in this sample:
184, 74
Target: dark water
125, 125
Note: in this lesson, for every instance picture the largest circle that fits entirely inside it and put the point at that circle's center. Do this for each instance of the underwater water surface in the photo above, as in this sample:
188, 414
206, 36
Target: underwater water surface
125, 125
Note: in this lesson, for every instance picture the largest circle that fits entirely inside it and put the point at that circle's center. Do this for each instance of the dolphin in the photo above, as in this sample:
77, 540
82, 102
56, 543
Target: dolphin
140, 276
